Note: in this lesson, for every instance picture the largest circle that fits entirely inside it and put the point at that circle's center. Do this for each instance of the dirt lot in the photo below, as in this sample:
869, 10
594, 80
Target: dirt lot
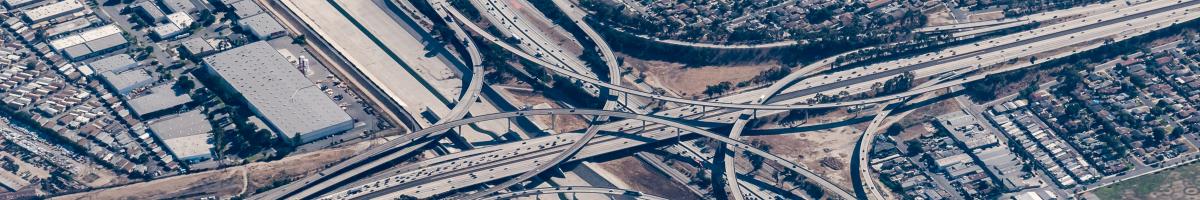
837, 143
643, 178
561, 123
691, 81
224, 182
940, 17
34, 171
994, 15
1178, 183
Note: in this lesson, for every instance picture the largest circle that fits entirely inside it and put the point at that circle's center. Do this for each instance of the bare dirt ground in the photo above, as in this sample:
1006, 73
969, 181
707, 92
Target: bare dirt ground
642, 178
940, 17
225, 182
691, 81
808, 148
561, 123
994, 15
34, 171
1177, 183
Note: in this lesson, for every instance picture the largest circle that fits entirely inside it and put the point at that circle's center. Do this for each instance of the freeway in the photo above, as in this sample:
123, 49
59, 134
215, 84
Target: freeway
574, 189
976, 77
958, 81
592, 130
453, 171
992, 47
507, 19
867, 184
467, 97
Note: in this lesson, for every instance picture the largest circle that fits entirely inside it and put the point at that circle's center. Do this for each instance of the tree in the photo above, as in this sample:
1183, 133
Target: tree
207, 18
719, 88
816, 16
1029, 89
300, 39
894, 130
914, 148
185, 83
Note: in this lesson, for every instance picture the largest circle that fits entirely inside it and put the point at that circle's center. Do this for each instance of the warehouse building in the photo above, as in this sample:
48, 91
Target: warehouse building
91, 42
150, 11
115, 63
245, 8
54, 10
186, 135
184, 6
14, 4
128, 81
196, 47
290, 104
262, 26
159, 99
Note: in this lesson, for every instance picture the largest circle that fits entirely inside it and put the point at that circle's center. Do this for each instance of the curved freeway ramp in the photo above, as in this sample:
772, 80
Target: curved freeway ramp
574, 189
435, 174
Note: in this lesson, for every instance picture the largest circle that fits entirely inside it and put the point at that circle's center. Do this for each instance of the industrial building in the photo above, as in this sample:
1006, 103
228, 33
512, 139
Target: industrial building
196, 47
262, 26
160, 98
13, 4
91, 42
184, 6
115, 63
245, 8
150, 11
178, 24
51, 11
126, 82
186, 135
290, 104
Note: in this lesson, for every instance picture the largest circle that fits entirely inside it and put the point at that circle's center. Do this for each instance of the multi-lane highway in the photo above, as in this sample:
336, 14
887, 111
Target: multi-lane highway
574, 189
456, 171
467, 168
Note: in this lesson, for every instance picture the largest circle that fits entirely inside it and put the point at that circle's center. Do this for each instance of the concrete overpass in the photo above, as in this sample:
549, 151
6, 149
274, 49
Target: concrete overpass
1147, 17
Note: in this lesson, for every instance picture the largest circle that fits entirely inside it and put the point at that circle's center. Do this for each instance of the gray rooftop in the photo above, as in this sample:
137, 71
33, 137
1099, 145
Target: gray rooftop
245, 9
197, 45
279, 93
161, 97
151, 9
262, 24
186, 134
181, 125
106, 42
128, 79
179, 5
77, 51
114, 63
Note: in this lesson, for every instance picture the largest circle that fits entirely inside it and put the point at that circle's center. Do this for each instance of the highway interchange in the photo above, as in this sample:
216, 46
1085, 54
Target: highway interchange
459, 170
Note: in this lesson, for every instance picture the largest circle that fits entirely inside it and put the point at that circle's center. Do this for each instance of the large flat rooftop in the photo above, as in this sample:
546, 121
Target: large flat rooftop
185, 134
161, 97
276, 90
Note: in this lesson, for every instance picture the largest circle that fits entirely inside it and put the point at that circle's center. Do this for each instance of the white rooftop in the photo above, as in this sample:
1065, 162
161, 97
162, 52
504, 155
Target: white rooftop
54, 9
180, 19
85, 36
185, 134
279, 93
